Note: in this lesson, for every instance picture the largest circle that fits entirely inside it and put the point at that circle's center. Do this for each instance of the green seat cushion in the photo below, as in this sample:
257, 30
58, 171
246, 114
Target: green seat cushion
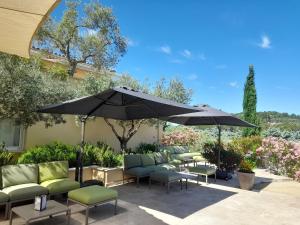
139, 171
167, 166
24, 191
19, 174
131, 161
160, 157
3, 197
206, 170
199, 158
165, 176
58, 186
184, 156
92, 195
53, 170
155, 168
175, 162
147, 160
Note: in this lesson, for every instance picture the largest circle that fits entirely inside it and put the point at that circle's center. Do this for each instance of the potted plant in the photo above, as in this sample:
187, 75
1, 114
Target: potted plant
246, 175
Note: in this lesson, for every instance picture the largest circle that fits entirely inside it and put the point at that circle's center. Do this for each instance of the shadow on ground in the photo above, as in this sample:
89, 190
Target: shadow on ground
178, 203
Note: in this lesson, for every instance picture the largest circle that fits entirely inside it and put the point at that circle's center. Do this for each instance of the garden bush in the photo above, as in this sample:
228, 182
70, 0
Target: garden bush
230, 159
281, 156
100, 154
5, 156
144, 148
185, 136
246, 147
55, 151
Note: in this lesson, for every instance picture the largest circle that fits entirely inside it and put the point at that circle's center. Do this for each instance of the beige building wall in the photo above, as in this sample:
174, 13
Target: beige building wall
96, 130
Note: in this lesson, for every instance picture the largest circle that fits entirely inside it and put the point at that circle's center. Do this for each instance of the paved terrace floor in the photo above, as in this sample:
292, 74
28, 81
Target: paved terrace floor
223, 203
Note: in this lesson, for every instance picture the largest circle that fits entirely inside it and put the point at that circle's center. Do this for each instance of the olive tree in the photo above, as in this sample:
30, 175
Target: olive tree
24, 88
89, 37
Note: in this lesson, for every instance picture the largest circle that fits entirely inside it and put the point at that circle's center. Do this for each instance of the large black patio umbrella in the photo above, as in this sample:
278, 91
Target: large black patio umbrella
120, 103
209, 116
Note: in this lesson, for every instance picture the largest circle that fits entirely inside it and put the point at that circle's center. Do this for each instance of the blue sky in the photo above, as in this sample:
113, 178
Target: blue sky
210, 44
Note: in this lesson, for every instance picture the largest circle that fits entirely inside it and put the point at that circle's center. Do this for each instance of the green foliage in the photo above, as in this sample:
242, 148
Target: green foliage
58, 72
173, 90
144, 148
285, 134
6, 157
96, 83
249, 104
55, 151
282, 121
246, 166
100, 154
24, 88
92, 36
244, 145
230, 159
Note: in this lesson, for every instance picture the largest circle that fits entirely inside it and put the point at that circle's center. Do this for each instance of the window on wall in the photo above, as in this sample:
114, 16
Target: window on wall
11, 134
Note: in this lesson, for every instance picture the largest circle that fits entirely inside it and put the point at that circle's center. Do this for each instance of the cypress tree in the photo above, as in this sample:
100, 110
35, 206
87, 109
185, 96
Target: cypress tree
249, 104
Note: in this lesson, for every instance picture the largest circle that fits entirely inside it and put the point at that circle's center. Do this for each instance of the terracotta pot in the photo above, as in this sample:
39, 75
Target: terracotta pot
246, 180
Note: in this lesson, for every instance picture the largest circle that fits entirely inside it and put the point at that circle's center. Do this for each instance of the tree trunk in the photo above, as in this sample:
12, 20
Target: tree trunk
72, 69
123, 145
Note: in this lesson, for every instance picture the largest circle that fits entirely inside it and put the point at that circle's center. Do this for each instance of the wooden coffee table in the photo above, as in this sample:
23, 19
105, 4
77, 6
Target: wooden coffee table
28, 213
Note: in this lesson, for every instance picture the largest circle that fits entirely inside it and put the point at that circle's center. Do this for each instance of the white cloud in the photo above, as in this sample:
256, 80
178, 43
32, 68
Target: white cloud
186, 53
176, 61
201, 56
193, 76
166, 49
131, 43
233, 84
221, 66
265, 42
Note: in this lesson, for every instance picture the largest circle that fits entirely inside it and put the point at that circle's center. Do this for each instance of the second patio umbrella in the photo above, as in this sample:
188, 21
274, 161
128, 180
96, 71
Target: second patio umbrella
120, 103
209, 116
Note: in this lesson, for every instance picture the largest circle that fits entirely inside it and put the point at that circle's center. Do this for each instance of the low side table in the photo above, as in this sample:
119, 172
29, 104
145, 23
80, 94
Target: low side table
28, 213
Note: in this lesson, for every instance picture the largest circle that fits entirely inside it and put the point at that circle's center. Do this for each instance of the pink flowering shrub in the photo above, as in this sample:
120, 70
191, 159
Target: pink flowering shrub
185, 136
281, 155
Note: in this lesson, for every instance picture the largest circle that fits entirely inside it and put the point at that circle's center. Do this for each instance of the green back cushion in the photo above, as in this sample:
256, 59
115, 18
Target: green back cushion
147, 160
19, 174
53, 170
131, 161
161, 157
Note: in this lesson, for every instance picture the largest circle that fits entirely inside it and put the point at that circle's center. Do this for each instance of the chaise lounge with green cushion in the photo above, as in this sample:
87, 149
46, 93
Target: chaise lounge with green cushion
54, 177
181, 153
20, 183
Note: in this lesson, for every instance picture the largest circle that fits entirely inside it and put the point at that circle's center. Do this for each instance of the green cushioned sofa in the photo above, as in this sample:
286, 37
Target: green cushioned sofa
25, 181
141, 165
54, 177
20, 182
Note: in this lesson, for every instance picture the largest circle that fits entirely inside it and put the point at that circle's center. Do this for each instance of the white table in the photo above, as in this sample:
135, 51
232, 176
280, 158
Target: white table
28, 213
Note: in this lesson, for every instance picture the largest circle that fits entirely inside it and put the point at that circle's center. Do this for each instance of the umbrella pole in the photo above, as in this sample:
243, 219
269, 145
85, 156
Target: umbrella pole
79, 168
157, 134
219, 147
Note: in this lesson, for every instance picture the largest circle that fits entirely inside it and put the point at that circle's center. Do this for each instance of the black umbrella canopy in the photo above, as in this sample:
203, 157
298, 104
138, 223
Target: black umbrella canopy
208, 116
120, 103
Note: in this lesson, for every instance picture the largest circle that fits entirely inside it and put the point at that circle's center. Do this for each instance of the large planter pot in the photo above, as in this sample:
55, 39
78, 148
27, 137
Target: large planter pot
246, 180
